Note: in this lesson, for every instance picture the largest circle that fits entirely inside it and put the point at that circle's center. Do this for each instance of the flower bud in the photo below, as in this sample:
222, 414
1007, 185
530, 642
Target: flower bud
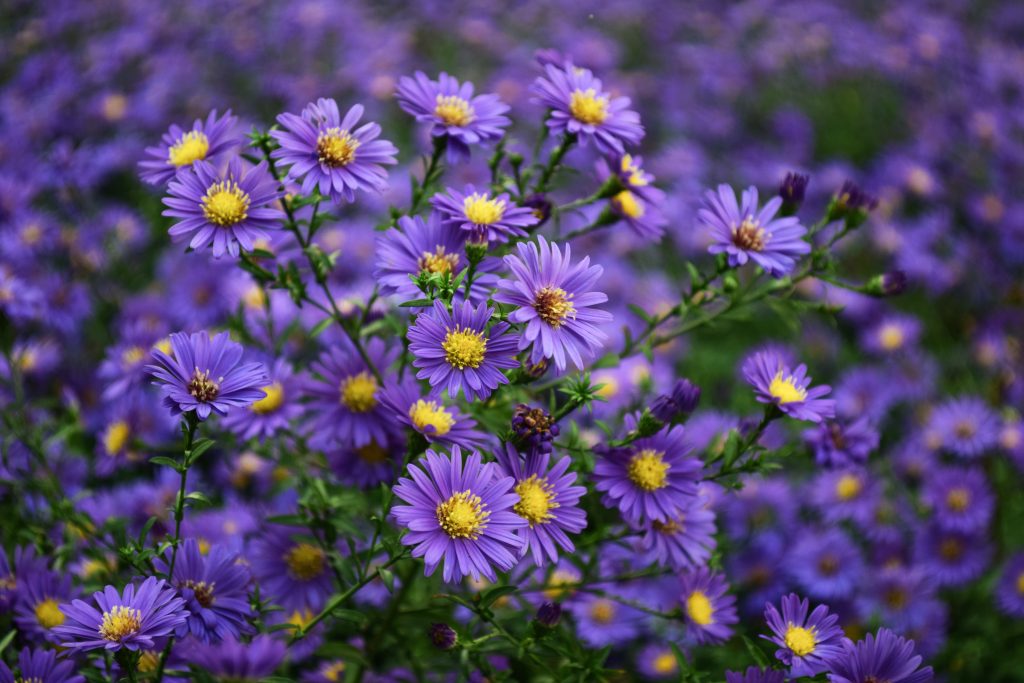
851, 204
887, 284
549, 614
677, 405
541, 206
792, 191
442, 636
534, 428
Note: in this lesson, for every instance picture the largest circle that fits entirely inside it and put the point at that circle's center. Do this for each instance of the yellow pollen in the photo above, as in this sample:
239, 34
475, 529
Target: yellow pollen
560, 578
273, 399
203, 591
48, 614
133, 356
958, 499
372, 453
336, 147
204, 546
602, 611
554, 306
114, 106
648, 470
628, 205
305, 562
848, 487
116, 437
120, 622
149, 662
164, 345
464, 348
749, 235
463, 515
665, 663
673, 526
536, 500
31, 234
190, 147
482, 210
891, 337
609, 386
300, 619
430, 414
359, 392
225, 203
333, 672
786, 390
437, 262
586, 106
800, 640
254, 297
699, 609
202, 387
453, 110
1020, 583
632, 171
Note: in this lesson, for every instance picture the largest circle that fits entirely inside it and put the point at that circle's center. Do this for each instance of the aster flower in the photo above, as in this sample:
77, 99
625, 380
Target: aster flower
534, 429
894, 332
1010, 588
580, 106
808, 643
484, 218
684, 541
657, 661
745, 232
960, 498
754, 674
215, 587
272, 413
233, 660
880, 657
775, 384
825, 564
204, 375
41, 666
367, 465
678, 404
460, 514
601, 620
638, 202
453, 112
899, 596
548, 502
180, 149
710, 611
965, 426
455, 350
228, 211
952, 558
327, 153
651, 479
134, 619
842, 443
428, 415
37, 607
290, 569
26, 563
555, 301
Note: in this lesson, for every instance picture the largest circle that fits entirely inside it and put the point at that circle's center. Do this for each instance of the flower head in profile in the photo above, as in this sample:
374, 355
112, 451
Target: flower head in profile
330, 154
745, 232
755, 674
459, 512
229, 211
133, 619
204, 376
774, 383
709, 610
453, 111
639, 202
456, 351
483, 216
883, 656
180, 148
41, 666
808, 643
234, 660
274, 411
580, 106
555, 300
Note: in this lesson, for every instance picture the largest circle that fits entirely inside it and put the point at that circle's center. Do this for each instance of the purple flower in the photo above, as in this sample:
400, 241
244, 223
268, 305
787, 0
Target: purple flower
37, 607
1010, 589
602, 620
462, 515
657, 661
685, 540
228, 210
453, 111
455, 350
842, 443
881, 657
965, 426
775, 384
651, 479
678, 403
808, 644
179, 148
534, 429
134, 619
825, 564
745, 232
203, 375
329, 154
428, 415
272, 413
548, 502
215, 587
291, 570
639, 202
42, 666
952, 558
580, 106
710, 612
554, 300
754, 674
367, 465
894, 332
233, 660
484, 218
959, 497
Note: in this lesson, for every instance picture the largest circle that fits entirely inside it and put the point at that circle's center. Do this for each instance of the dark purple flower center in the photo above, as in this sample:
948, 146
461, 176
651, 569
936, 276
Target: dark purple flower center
202, 388
203, 591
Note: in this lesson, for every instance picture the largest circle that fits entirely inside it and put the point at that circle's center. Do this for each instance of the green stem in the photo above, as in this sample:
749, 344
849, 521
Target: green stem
554, 160
430, 175
604, 219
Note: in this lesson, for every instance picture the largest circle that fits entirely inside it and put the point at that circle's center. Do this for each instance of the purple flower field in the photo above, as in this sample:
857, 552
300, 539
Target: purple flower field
350, 341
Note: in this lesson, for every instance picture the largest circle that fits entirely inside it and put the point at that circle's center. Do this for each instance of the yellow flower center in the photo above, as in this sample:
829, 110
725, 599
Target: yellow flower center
202, 387
628, 205
786, 390
800, 640
554, 306
359, 392
890, 337
665, 663
164, 345
648, 470
699, 609
149, 661
1020, 583
272, 400
632, 171
437, 262
586, 106
48, 614
560, 578
483, 210
255, 298
848, 487
958, 499
463, 515
333, 672
190, 147
965, 429
225, 203
31, 234
464, 348
602, 611
116, 437
133, 356
305, 562
536, 500
429, 414
453, 110
749, 235
300, 618
120, 622
372, 453
336, 147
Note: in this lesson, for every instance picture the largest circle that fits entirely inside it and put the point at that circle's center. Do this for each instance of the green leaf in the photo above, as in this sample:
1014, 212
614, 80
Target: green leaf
320, 327
416, 303
494, 593
760, 658
198, 449
166, 462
